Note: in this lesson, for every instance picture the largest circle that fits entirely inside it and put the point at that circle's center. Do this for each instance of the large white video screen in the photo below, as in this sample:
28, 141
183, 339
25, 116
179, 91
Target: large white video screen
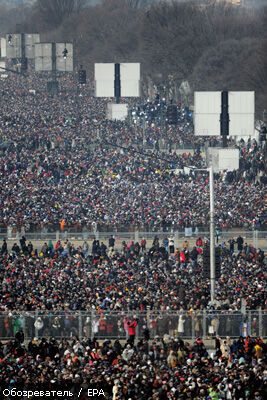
13, 45
64, 64
207, 109
104, 79
130, 79
43, 56
241, 113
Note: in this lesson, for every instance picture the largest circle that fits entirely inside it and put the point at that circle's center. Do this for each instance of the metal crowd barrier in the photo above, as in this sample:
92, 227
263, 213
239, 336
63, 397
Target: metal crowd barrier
108, 324
256, 237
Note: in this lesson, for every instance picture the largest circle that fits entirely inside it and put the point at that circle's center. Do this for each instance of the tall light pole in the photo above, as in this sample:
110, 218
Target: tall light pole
212, 231
212, 238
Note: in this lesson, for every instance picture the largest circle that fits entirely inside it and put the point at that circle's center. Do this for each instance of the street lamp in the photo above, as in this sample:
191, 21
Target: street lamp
212, 228
212, 231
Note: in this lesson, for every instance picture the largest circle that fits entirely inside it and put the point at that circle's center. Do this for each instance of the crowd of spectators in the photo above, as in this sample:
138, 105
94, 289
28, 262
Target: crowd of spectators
131, 278
59, 160
162, 369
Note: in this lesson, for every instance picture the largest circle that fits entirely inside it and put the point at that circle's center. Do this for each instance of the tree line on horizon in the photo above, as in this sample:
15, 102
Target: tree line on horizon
211, 44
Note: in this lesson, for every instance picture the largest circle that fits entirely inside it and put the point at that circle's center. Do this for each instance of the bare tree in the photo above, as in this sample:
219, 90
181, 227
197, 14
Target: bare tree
233, 64
10, 17
136, 4
55, 11
208, 43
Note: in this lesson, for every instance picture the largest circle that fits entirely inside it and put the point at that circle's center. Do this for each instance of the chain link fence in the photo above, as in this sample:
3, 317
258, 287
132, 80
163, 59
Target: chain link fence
113, 324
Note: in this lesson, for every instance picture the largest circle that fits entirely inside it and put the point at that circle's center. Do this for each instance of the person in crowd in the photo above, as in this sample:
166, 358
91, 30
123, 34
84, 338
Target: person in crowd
231, 245
111, 242
132, 325
171, 244
143, 245
4, 249
240, 242
199, 242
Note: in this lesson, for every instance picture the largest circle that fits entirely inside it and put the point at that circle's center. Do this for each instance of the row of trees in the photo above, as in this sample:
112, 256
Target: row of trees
210, 43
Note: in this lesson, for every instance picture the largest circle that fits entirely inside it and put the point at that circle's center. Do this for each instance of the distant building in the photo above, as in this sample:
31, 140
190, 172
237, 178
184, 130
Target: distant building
254, 3
248, 3
244, 3
235, 2
16, 3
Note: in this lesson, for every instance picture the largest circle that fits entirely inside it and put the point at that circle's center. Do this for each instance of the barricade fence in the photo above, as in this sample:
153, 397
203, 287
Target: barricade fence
113, 324
255, 237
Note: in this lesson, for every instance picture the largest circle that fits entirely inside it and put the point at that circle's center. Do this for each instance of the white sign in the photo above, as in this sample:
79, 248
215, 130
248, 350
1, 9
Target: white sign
130, 80
14, 44
3, 73
241, 113
3, 48
223, 159
2, 65
207, 113
105, 79
30, 40
117, 112
64, 64
44, 57
207, 109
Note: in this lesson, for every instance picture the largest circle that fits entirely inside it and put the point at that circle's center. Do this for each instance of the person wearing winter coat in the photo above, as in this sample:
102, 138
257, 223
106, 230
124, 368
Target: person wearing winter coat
115, 389
197, 326
240, 242
19, 336
39, 324
127, 353
199, 242
194, 256
166, 243
4, 249
143, 245
131, 325
258, 351
171, 245
172, 360
56, 327
181, 322
181, 355
215, 324
146, 333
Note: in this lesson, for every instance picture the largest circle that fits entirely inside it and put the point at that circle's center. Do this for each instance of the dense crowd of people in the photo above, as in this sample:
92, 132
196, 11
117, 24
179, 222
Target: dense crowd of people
158, 278
161, 369
62, 164
60, 159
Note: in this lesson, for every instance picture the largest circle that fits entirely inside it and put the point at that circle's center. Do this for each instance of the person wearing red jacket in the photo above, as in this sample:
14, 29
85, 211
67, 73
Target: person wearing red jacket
199, 242
132, 329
